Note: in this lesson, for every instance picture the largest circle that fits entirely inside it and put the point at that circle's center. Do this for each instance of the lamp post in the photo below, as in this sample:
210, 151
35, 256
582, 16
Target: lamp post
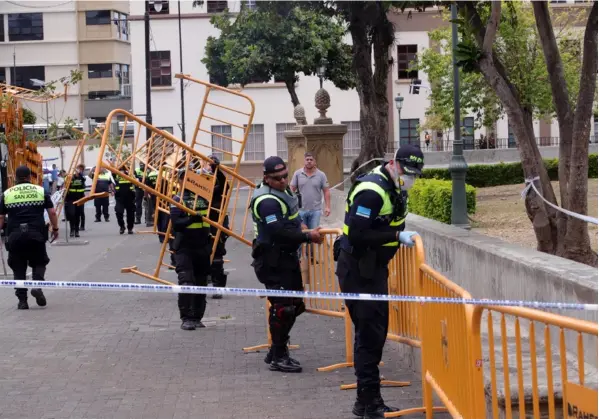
399, 105
322, 68
458, 166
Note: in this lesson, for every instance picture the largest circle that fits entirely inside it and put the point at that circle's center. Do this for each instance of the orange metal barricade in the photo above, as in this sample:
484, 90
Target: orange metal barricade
564, 385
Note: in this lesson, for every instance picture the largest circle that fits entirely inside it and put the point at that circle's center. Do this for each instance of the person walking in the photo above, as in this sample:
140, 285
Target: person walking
26, 232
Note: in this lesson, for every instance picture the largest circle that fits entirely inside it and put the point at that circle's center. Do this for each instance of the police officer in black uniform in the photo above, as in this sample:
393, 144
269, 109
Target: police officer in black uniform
279, 234
76, 192
217, 269
192, 254
373, 229
103, 184
139, 193
24, 204
125, 201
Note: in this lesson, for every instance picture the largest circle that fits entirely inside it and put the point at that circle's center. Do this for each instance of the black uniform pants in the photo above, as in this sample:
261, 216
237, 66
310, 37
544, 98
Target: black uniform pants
73, 213
283, 311
139, 197
192, 267
24, 250
217, 269
370, 318
125, 204
162, 225
151, 206
101, 205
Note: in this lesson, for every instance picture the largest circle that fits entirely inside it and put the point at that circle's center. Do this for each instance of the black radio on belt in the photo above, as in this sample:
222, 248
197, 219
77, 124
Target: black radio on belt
299, 199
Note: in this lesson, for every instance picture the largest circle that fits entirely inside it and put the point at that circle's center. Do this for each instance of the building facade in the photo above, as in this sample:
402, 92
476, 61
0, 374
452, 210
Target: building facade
274, 110
45, 40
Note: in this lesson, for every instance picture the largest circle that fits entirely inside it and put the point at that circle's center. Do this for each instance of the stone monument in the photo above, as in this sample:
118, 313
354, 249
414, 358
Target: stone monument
325, 140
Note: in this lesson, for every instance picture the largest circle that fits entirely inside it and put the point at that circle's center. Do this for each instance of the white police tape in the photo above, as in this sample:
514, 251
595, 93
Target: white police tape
255, 292
530, 183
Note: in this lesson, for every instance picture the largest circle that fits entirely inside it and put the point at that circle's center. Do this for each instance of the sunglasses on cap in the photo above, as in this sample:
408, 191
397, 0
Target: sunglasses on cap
279, 178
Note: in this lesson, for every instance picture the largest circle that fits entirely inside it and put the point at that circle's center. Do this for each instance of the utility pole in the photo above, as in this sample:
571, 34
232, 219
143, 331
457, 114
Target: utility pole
148, 72
181, 71
458, 166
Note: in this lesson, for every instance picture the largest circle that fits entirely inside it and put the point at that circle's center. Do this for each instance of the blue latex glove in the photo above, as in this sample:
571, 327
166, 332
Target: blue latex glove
405, 238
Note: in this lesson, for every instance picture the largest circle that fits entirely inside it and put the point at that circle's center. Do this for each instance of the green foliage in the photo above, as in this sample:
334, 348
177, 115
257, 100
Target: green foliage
517, 46
277, 41
29, 117
486, 175
431, 198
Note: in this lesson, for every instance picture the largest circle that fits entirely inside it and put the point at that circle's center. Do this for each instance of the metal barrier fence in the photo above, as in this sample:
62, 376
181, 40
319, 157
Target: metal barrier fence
558, 382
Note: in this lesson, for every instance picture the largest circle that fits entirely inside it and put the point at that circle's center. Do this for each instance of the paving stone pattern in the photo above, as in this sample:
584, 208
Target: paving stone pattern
115, 355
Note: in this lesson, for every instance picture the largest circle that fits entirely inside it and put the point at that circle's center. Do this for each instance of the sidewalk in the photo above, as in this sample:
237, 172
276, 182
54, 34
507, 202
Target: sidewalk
119, 355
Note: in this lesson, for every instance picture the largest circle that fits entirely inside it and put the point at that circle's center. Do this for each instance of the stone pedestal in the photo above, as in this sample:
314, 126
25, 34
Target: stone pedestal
296, 147
325, 142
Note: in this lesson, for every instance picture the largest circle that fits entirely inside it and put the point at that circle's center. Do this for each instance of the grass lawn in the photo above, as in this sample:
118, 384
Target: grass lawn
500, 213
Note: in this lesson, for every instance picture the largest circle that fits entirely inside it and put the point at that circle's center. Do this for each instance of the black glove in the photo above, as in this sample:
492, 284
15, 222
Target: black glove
196, 218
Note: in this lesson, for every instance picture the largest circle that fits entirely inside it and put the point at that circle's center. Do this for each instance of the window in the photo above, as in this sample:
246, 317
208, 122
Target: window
3, 78
406, 55
23, 76
352, 140
250, 5
122, 23
121, 71
25, 27
1, 28
167, 129
468, 133
408, 132
99, 71
158, 7
254, 146
216, 6
282, 141
511, 137
97, 17
160, 67
222, 143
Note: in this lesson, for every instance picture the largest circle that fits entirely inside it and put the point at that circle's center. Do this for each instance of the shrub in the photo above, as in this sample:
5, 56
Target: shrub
485, 175
431, 198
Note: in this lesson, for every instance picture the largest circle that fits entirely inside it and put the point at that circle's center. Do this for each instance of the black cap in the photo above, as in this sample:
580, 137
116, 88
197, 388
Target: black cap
410, 158
22, 172
274, 164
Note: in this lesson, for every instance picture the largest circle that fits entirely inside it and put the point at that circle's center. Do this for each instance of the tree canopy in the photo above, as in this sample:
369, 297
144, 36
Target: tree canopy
280, 42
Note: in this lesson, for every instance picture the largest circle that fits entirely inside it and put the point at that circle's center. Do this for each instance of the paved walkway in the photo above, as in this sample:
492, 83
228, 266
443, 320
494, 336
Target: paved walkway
118, 355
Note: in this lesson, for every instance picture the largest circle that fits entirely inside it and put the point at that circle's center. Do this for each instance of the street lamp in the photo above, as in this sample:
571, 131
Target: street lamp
322, 68
399, 105
41, 83
458, 166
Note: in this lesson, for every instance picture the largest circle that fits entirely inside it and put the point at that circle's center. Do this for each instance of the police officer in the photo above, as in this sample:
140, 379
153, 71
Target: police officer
279, 234
125, 201
27, 233
76, 191
103, 184
151, 179
192, 254
373, 229
139, 193
217, 269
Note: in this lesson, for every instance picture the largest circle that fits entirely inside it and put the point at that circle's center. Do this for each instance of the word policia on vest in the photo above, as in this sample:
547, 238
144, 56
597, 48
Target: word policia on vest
24, 193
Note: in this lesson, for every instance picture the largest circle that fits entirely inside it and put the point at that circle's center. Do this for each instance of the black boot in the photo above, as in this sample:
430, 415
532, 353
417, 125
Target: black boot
269, 356
122, 230
130, 231
23, 304
77, 233
188, 325
38, 294
98, 220
281, 361
370, 405
138, 221
220, 280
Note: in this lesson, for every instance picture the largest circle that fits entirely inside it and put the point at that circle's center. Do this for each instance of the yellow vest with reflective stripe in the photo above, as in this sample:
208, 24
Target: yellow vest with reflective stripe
288, 203
201, 206
386, 212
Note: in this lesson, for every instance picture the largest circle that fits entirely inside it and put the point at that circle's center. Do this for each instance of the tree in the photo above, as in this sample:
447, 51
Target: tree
494, 49
29, 116
277, 41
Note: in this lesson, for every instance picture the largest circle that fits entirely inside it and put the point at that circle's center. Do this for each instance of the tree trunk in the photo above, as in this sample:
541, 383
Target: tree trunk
573, 236
542, 216
371, 87
290, 84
